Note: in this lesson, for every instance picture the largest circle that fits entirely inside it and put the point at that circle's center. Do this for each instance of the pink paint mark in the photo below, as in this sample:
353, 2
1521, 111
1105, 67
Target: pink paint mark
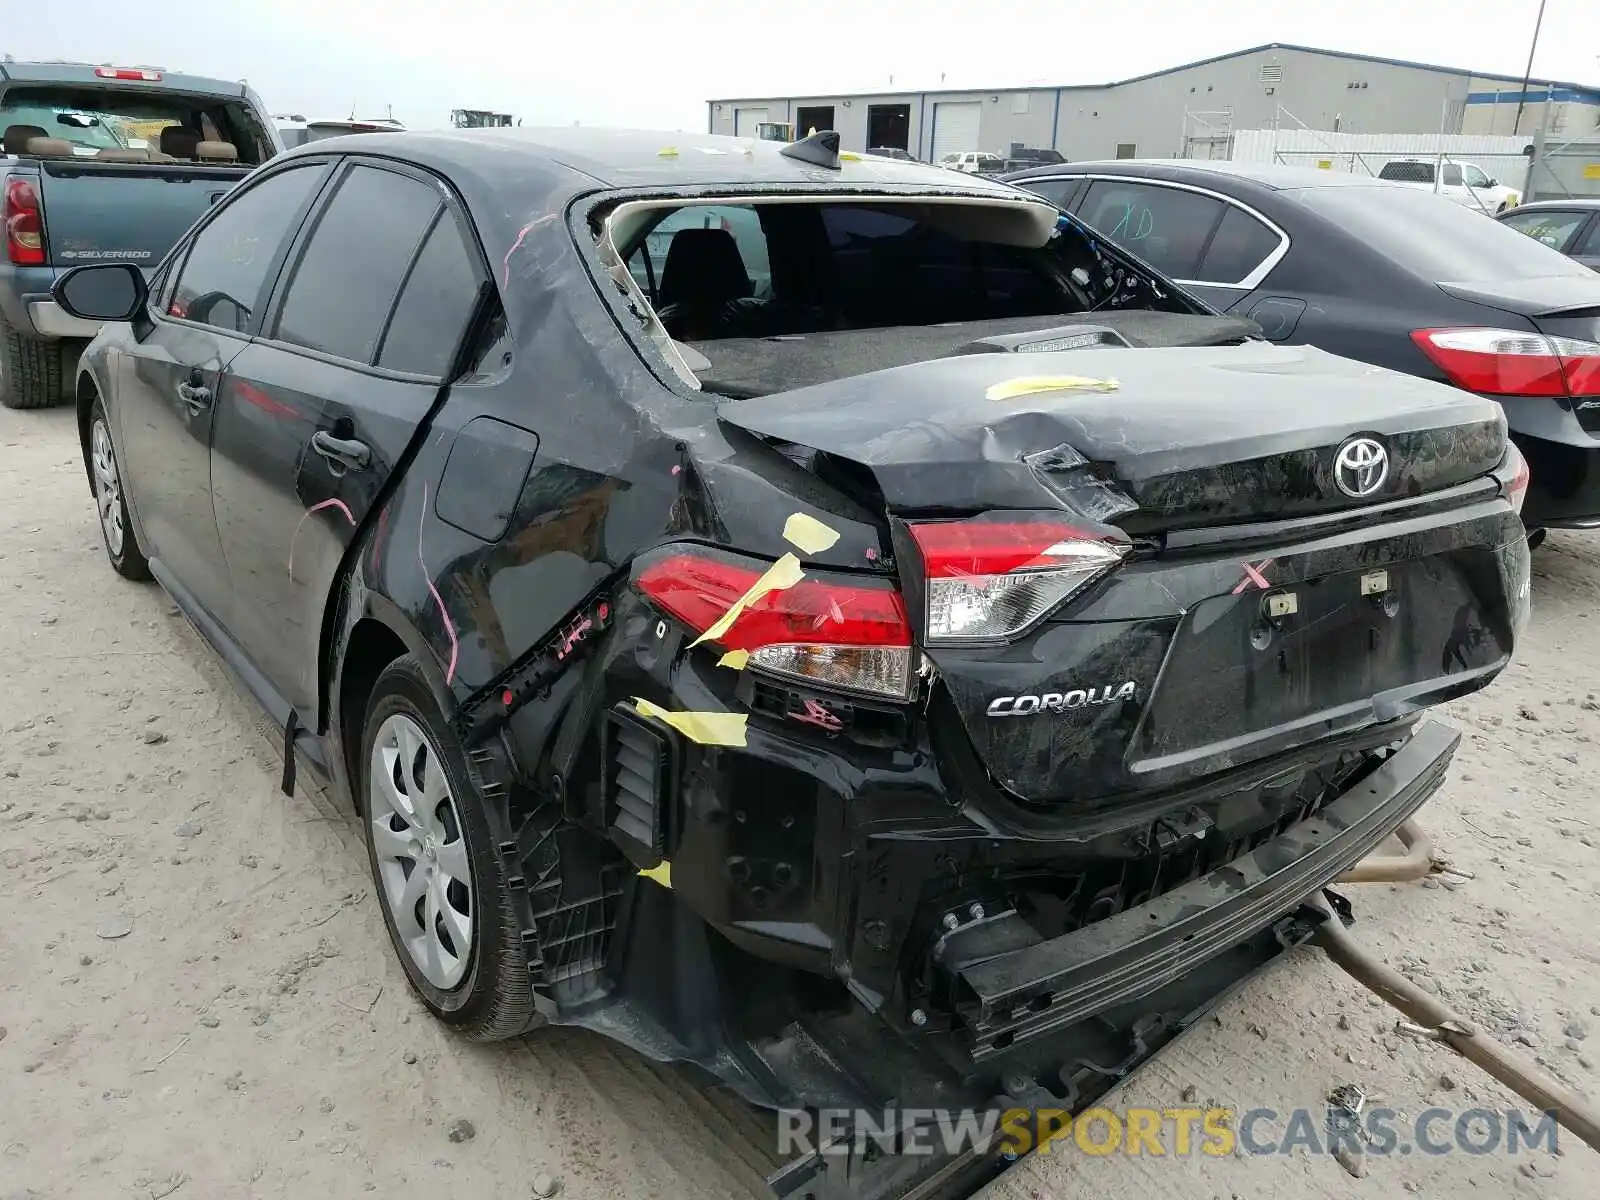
570, 638
455, 646
377, 537
505, 281
817, 714
334, 503
1252, 574
872, 554
676, 469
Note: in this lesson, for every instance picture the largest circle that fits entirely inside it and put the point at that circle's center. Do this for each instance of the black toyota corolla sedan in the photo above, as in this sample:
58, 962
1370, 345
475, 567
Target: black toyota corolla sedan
829, 620
1386, 274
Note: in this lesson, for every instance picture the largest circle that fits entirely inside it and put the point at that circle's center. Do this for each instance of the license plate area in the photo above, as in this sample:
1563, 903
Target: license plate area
1266, 656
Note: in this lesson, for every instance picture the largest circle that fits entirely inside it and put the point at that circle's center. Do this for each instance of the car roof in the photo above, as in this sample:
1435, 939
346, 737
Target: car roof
519, 182
1570, 202
1193, 170
633, 158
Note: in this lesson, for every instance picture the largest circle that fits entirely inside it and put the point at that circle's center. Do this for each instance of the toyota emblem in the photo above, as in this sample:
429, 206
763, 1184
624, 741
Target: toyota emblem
1360, 467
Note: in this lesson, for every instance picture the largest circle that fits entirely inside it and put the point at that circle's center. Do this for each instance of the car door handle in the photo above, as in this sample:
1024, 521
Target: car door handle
353, 455
196, 395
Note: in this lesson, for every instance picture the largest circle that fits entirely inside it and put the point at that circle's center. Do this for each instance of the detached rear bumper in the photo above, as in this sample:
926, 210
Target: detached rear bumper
1017, 997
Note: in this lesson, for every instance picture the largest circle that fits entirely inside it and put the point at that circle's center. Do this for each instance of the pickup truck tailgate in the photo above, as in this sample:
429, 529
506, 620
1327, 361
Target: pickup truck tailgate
125, 212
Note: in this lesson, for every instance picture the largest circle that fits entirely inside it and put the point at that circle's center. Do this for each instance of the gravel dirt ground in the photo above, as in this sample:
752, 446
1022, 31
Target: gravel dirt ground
197, 997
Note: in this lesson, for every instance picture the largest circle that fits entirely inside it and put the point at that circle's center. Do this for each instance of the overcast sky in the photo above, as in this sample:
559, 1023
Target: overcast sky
632, 62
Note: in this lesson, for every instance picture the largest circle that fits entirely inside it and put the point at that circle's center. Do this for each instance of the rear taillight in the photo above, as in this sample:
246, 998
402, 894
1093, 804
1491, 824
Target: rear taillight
1516, 488
24, 229
991, 578
830, 630
1509, 362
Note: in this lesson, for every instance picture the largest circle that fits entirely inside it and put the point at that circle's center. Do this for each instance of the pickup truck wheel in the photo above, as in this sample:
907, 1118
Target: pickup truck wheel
122, 547
439, 882
30, 371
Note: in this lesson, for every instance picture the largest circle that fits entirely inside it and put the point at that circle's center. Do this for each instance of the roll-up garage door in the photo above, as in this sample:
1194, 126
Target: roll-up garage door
955, 126
745, 121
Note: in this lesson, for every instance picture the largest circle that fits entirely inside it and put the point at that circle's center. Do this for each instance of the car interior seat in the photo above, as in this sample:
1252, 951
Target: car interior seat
179, 141
17, 137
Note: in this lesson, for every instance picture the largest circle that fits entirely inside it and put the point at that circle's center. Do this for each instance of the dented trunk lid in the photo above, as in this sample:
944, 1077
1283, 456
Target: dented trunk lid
1179, 437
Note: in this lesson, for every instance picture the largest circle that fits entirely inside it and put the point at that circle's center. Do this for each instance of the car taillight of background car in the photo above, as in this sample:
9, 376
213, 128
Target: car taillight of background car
1509, 362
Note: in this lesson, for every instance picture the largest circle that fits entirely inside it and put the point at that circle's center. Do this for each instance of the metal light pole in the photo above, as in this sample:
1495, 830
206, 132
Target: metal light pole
1516, 125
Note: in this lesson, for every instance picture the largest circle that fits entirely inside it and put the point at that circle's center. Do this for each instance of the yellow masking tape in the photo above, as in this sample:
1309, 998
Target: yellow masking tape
1029, 385
784, 573
667, 152
810, 534
737, 659
707, 728
661, 874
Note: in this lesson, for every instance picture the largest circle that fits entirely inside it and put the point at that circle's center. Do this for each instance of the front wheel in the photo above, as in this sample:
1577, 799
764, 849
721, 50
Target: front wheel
116, 528
439, 882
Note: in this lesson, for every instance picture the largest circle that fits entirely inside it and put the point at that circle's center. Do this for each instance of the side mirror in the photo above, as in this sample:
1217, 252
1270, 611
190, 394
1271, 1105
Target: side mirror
102, 292
1493, 182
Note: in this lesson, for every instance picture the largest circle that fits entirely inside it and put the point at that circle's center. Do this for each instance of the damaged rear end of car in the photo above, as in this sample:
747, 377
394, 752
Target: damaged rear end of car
1013, 667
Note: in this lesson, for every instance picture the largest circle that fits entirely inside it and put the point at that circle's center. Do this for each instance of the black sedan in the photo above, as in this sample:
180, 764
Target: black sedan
1390, 275
1571, 226
775, 644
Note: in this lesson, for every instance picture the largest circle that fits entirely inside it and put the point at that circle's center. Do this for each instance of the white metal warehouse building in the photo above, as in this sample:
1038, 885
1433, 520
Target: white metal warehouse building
1187, 111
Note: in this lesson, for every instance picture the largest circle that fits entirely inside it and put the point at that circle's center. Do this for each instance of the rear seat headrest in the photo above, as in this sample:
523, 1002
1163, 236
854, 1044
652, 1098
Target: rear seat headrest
50, 147
178, 141
217, 151
123, 154
17, 137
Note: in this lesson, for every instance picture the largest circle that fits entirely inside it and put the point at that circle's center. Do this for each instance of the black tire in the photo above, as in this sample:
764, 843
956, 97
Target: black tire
30, 371
126, 556
494, 998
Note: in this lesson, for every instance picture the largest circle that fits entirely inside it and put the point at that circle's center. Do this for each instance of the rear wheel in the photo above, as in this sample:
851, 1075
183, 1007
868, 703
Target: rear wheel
439, 882
116, 529
30, 371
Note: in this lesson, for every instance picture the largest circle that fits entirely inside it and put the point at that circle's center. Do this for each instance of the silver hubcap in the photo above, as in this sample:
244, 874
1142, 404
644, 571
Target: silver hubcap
107, 487
424, 874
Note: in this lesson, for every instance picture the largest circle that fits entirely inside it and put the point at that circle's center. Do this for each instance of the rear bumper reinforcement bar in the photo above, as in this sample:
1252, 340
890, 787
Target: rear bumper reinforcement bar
1030, 992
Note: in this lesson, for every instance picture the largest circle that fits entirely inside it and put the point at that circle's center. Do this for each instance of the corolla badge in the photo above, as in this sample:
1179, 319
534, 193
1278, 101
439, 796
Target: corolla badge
1029, 706
1360, 467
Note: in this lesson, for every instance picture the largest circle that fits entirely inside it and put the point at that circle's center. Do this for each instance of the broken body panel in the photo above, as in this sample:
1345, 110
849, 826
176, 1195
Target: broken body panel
924, 899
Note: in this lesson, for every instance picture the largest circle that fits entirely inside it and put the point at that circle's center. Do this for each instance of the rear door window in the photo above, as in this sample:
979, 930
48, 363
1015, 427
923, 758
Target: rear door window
1057, 191
435, 304
351, 268
222, 278
1553, 228
1240, 245
1590, 246
1167, 227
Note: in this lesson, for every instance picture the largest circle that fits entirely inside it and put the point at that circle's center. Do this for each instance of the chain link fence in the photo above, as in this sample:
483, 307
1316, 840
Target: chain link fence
1493, 168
